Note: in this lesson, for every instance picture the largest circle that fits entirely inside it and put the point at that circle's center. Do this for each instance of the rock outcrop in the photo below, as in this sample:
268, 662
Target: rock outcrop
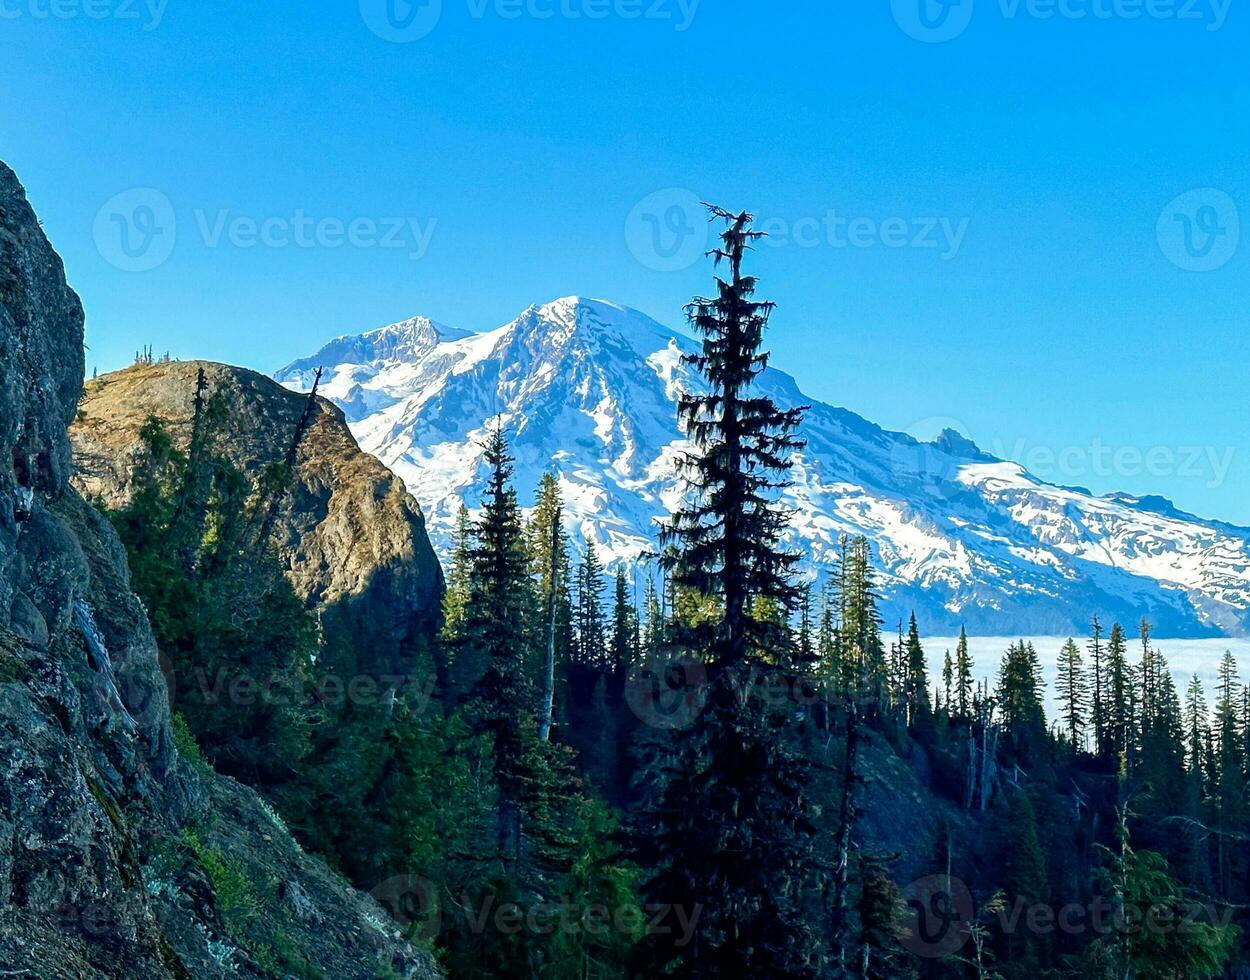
351, 538
119, 855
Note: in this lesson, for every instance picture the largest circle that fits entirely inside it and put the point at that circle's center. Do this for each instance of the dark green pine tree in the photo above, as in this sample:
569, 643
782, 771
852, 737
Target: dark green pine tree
1119, 696
455, 606
864, 667
1197, 726
1098, 714
916, 686
495, 637
1229, 789
1150, 679
1020, 700
623, 654
1161, 759
728, 536
828, 640
1195, 743
735, 825
948, 681
551, 569
655, 625
963, 677
1073, 694
1022, 868
591, 624
806, 658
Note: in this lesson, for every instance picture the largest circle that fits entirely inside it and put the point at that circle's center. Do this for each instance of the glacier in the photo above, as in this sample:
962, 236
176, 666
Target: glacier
588, 389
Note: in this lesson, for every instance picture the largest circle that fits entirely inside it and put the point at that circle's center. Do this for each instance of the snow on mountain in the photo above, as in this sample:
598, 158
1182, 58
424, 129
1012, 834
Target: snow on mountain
588, 389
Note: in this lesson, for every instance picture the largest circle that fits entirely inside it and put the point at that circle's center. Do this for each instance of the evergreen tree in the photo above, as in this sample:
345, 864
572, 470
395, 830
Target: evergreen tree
495, 636
728, 536
735, 827
828, 642
863, 660
550, 566
591, 645
1144, 892
653, 633
948, 680
1229, 784
456, 601
805, 655
624, 626
1022, 869
1118, 694
916, 687
1197, 725
1072, 693
963, 676
1098, 705
1020, 699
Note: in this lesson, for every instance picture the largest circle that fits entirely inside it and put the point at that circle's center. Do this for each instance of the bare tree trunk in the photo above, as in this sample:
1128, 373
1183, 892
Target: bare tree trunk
971, 787
846, 821
989, 756
549, 677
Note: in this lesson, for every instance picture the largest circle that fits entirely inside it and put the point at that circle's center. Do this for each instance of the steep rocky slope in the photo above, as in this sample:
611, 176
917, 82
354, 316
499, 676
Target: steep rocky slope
350, 536
119, 857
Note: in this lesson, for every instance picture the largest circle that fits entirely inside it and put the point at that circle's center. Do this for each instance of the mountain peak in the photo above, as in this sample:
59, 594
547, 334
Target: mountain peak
955, 443
590, 388
416, 334
593, 321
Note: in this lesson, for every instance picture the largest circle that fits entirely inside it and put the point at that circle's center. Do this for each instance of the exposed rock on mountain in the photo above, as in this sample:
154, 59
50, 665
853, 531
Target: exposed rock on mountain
119, 856
589, 389
350, 536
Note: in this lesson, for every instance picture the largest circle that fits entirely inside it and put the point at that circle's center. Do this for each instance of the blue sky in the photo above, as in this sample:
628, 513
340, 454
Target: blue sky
1026, 224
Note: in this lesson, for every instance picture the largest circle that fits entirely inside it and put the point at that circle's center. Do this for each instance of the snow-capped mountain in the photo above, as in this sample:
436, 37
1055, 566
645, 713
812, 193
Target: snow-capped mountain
588, 389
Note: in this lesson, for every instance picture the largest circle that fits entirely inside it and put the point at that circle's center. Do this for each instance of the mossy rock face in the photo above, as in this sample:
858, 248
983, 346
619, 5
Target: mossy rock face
351, 539
12, 663
94, 796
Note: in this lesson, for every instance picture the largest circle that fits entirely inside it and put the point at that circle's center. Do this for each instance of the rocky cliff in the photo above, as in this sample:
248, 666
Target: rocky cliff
351, 538
119, 855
